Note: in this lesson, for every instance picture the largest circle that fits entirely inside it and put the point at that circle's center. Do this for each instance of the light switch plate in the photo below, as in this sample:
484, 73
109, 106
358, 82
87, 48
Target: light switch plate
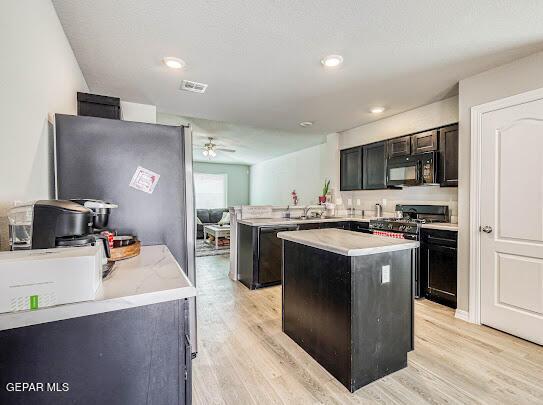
358, 201
349, 201
385, 274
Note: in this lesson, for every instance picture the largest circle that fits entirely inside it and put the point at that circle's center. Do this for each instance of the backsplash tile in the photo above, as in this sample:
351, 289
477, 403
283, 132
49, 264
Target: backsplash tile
413, 195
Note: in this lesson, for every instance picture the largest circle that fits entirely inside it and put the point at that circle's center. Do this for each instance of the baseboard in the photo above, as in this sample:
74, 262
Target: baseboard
460, 314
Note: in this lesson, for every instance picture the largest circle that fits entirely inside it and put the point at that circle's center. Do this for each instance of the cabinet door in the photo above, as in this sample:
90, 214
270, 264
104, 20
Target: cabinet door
363, 227
270, 256
399, 146
351, 169
424, 142
448, 154
374, 166
311, 225
337, 225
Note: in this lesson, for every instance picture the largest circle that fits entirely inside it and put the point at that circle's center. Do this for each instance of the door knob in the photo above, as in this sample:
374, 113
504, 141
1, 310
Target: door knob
486, 229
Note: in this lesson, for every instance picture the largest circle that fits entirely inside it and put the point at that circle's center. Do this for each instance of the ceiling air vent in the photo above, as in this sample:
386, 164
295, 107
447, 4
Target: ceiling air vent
195, 87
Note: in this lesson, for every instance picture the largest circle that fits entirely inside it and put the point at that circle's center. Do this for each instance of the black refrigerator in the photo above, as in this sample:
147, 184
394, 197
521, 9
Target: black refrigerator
144, 168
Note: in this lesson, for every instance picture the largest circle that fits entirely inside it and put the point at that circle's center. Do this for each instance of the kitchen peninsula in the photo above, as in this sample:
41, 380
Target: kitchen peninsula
348, 301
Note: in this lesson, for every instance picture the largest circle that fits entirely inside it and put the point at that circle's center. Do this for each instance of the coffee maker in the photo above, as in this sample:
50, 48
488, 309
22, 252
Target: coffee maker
47, 224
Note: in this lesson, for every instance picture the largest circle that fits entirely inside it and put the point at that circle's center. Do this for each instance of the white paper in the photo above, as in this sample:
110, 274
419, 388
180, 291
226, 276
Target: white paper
144, 180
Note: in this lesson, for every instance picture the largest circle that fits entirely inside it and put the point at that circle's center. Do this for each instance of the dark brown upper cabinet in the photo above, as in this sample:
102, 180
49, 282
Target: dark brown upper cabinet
350, 174
399, 146
374, 166
424, 142
448, 156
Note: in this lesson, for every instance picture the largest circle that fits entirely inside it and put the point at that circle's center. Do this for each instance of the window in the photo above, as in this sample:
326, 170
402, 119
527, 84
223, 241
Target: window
210, 190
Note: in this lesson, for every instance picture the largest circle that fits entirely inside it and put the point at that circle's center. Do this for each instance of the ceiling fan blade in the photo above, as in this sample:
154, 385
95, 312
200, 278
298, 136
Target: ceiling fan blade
225, 150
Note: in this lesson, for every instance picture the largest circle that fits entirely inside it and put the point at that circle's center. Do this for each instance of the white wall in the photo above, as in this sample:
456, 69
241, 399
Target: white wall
430, 116
273, 180
513, 78
138, 112
38, 75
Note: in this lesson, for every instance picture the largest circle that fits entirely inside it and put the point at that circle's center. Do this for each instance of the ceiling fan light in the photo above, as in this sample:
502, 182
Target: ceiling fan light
205, 152
212, 153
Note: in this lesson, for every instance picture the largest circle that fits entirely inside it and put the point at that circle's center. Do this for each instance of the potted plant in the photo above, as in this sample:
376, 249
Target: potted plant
322, 198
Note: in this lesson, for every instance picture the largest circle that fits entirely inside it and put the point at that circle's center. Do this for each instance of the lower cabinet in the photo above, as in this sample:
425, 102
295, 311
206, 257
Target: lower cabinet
304, 227
336, 225
363, 227
438, 271
138, 355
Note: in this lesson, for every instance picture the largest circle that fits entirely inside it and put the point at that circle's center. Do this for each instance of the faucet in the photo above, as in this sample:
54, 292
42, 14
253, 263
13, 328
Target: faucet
306, 211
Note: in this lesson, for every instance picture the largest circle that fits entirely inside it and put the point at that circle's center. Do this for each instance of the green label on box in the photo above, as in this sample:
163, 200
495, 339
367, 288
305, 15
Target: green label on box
33, 302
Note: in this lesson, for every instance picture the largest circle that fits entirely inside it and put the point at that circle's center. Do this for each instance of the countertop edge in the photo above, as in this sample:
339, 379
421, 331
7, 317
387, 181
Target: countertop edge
296, 221
14, 320
350, 252
441, 226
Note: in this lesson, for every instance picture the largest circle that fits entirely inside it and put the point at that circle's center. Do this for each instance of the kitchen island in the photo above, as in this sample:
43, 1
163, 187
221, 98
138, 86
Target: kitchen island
130, 345
348, 301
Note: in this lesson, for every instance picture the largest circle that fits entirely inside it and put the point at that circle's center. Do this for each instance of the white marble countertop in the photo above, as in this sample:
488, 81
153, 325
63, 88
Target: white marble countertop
297, 221
347, 243
152, 277
446, 226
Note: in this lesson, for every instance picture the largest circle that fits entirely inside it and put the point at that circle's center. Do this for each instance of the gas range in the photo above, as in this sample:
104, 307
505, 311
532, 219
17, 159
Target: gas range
408, 227
395, 225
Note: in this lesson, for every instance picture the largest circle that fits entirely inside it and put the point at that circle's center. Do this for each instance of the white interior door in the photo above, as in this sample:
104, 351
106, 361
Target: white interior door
511, 213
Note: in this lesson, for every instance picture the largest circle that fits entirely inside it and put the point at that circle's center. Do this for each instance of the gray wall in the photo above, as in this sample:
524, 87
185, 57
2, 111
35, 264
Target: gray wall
238, 180
513, 78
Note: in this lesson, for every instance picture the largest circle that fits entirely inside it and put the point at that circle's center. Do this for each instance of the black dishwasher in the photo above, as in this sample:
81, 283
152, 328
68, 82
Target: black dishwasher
270, 254
438, 271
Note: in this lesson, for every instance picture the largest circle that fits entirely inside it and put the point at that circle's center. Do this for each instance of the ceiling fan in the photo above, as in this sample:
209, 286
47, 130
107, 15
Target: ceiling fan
210, 149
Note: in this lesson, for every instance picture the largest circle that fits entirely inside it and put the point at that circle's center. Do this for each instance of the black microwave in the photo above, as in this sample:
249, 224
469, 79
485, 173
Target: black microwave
412, 170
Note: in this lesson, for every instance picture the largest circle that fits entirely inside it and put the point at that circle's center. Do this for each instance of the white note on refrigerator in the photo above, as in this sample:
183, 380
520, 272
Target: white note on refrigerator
144, 180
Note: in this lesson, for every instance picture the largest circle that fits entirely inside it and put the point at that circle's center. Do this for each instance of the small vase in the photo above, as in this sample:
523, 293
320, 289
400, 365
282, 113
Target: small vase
322, 199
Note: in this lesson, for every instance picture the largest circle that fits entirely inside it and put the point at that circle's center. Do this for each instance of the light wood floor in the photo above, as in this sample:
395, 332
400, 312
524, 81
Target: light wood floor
244, 358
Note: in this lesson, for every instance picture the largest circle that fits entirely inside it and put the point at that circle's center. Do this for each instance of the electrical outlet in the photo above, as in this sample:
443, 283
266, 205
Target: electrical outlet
385, 274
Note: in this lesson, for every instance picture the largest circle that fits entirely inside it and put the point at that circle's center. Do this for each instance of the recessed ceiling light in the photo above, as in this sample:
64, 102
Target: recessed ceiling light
377, 110
174, 63
306, 124
332, 60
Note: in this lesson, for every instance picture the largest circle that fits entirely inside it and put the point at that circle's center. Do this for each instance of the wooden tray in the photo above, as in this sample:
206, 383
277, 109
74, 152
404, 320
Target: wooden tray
125, 252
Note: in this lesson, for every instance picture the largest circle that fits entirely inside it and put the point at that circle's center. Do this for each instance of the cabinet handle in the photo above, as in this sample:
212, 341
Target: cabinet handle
440, 239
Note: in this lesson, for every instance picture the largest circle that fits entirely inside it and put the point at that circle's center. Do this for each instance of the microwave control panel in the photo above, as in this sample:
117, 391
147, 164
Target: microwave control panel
428, 171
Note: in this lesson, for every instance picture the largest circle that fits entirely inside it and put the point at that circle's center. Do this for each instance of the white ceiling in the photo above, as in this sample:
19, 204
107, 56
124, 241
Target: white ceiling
261, 58
252, 145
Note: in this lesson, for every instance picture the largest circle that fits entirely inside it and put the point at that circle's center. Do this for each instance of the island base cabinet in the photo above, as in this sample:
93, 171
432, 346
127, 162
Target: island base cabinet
133, 356
339, 310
